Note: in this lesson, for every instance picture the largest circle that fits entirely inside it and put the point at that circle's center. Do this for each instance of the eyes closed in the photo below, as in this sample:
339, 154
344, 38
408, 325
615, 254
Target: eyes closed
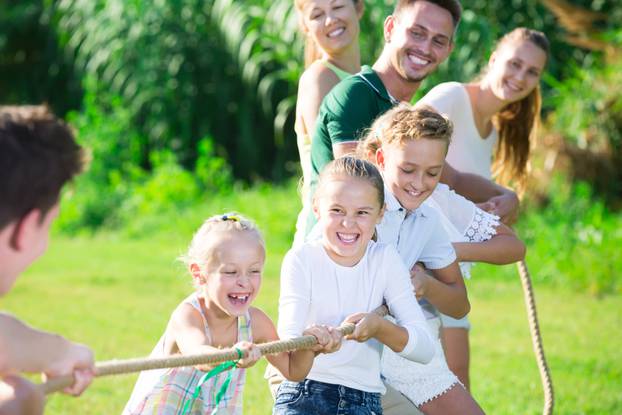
432, 172
317, 13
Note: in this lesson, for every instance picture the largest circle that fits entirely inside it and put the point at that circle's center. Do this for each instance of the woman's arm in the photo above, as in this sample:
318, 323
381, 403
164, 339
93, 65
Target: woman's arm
501, 201
502, 248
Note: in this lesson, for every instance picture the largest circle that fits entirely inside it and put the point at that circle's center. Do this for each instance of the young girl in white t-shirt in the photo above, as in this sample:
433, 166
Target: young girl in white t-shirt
409, 145
343, 276
495, 119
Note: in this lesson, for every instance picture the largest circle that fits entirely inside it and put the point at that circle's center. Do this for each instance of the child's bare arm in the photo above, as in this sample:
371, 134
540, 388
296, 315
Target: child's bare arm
25, 349
294, 366
444, 289
370, 325
502, 248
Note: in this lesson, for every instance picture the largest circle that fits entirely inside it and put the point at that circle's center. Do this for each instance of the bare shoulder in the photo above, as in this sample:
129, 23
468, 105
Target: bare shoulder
262, 326
184, 314
318, 75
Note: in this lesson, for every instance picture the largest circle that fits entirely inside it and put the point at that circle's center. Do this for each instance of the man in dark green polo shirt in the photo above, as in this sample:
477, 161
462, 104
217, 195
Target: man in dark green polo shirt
418, 37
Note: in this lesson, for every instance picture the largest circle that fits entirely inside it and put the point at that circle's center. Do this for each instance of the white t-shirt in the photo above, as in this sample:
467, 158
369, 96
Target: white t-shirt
418, 236
468, 151
316, 290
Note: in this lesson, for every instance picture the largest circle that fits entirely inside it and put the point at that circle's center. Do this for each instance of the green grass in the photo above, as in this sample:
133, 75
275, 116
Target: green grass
115, 291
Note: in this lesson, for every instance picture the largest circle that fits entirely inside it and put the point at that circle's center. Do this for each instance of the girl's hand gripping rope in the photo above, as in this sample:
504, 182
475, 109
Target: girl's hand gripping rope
250, 352
328, 338
366, 326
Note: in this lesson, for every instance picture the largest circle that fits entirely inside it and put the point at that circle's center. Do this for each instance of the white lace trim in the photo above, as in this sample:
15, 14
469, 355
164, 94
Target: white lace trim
482, 227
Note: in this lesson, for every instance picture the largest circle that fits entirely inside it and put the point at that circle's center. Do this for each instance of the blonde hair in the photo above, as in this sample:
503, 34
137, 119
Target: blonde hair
517, 123
403, 123
312, 51
202, 245
352, 167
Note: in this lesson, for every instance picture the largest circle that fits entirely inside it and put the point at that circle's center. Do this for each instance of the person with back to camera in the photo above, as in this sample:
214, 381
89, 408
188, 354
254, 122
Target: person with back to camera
38, 155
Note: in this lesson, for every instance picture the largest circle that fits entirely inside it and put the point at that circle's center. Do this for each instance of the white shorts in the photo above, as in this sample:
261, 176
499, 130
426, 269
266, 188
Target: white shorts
420, 383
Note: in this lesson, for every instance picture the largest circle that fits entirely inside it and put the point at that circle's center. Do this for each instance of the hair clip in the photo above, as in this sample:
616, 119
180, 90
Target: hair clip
233, 218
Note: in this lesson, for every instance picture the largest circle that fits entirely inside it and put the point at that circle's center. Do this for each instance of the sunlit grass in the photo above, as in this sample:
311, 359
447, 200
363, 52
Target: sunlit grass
115, 292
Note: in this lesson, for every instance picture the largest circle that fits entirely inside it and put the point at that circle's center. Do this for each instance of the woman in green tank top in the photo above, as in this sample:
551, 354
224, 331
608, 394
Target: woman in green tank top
332, 53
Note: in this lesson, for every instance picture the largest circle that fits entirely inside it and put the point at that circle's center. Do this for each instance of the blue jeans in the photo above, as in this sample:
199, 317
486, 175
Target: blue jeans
312, 397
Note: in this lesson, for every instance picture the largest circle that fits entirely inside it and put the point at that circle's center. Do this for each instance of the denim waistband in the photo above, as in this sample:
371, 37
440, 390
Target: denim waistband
339, 392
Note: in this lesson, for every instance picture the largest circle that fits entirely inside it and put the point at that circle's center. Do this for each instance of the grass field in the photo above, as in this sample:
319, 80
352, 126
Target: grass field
115, 291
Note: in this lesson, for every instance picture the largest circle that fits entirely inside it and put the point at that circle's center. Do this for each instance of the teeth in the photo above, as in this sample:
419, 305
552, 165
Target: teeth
239, 297
418, 61
513, 87
347, 237
413, 193
336, 32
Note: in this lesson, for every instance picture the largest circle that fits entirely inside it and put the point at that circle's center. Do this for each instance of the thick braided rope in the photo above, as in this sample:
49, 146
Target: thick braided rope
119, 367
534, 328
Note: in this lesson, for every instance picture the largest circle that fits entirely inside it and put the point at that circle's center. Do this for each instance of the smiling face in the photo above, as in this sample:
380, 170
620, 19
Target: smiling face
348, 210
515, 69
231, 277
418, 39
412, 170
333, 24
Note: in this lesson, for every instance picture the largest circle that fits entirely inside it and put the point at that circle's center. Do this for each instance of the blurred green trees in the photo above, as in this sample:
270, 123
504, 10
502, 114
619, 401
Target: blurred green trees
184, 70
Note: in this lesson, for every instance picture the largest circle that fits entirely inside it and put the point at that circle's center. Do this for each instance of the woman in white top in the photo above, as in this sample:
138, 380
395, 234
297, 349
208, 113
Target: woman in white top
332, 53
494, 119
343, 276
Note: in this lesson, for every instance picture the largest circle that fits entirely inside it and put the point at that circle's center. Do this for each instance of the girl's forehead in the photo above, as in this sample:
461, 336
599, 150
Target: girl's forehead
525, 49
235, 246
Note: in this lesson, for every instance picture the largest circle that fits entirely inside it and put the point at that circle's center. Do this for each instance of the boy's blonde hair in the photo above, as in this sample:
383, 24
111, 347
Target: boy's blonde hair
404, 123
201, 245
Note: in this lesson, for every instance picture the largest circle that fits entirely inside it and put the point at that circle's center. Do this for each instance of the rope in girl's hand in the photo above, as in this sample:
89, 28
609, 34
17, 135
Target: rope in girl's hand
119, 367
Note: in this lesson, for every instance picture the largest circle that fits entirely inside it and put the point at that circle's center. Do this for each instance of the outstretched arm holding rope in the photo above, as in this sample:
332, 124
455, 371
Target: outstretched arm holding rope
25, 349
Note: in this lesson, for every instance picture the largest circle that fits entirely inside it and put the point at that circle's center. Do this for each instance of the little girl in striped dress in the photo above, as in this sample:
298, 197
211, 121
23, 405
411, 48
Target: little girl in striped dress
226, 259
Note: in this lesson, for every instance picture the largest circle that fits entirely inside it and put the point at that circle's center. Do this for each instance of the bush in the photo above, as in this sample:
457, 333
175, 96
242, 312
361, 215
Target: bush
115, 190
574, 240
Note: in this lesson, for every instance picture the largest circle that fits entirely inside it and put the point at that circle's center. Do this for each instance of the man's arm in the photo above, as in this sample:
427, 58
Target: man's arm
494, 198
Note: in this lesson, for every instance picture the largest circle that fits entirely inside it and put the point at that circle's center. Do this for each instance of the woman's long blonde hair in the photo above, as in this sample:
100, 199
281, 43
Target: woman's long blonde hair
312, 51
517, 123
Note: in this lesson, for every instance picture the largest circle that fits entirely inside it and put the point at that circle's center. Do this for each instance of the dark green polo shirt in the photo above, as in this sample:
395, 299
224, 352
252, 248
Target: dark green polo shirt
346, 112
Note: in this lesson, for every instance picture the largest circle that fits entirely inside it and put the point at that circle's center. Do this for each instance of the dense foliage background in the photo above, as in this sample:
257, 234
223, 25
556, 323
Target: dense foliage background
183, 100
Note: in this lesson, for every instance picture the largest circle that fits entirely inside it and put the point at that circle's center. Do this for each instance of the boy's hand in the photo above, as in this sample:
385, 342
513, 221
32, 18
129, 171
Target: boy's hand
419, 277
78, 361
328, 338
367, 325
252, 354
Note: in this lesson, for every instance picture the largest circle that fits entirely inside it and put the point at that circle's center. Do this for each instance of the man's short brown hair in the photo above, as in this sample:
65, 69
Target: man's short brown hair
452, 6
38, 155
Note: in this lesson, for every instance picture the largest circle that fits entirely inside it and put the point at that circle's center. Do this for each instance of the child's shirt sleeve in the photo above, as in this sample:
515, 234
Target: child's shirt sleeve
403, 305
438, 251
295, 297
